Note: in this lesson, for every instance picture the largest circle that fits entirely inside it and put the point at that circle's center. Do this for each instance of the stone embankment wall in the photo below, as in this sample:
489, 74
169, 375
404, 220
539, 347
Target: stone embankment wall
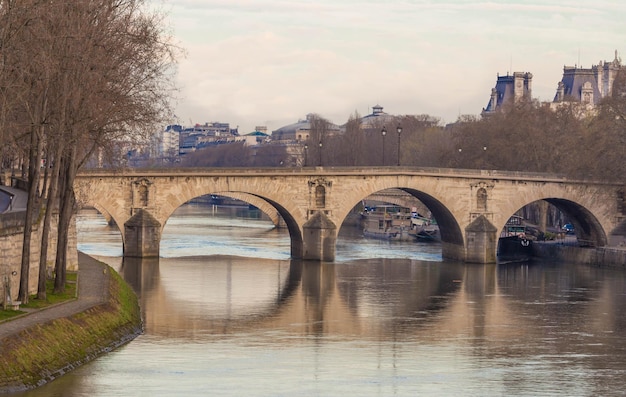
605, 257
11, 239
39, 354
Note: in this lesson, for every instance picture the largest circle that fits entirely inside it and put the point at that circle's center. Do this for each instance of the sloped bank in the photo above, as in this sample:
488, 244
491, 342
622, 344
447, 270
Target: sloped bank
45, 351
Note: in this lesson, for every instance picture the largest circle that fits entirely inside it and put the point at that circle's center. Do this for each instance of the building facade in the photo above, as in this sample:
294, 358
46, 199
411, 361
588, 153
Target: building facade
301, 130
509, 89
587, 86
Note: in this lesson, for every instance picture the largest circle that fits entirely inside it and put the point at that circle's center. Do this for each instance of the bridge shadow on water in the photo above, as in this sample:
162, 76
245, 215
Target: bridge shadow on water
227, 295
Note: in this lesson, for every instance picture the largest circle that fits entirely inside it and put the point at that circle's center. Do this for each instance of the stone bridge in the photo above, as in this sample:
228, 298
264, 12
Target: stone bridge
471, 206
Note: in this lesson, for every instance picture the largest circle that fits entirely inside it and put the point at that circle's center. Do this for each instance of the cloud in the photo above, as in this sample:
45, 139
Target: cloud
270, 61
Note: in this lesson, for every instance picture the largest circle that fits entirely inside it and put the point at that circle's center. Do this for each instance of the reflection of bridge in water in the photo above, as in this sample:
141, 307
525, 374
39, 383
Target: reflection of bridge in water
483, 303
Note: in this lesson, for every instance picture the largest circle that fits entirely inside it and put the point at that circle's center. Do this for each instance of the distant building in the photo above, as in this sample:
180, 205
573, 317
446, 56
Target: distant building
215, 129
165, 143
300, 131
207, 134
587, 85
509, 89
257, 137
378, 116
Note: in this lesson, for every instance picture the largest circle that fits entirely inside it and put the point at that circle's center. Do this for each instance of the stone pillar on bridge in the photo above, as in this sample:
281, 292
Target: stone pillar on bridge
482, 241
142, 235
319, 238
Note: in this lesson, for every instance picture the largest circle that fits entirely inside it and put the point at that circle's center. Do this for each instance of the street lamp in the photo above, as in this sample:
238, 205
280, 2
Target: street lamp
485, 162
320, 153
384, 132
399, 129
306, 147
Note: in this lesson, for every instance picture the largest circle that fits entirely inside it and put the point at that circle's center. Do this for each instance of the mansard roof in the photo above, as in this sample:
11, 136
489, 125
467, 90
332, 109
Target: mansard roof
573, 81
597, 81
507, 89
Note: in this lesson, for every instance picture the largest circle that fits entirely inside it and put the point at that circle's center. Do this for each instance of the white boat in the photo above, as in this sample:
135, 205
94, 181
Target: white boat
389, 222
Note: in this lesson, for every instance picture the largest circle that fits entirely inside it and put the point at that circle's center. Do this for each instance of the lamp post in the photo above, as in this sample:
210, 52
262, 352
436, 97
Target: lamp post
485, 163
306, 147
399, 129
320, 163
383, 132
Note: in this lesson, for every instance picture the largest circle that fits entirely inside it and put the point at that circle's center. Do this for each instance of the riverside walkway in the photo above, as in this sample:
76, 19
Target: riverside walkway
93, 281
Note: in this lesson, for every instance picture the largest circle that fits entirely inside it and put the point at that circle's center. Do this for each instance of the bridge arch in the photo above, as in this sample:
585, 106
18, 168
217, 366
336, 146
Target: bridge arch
398, 197
106, 209
267, 208
588, 229
588, 225
107, 217
295, 233
452, 238
449, 229
292, 223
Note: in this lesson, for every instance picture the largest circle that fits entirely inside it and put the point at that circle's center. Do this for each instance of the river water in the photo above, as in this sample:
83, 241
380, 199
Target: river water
227, 313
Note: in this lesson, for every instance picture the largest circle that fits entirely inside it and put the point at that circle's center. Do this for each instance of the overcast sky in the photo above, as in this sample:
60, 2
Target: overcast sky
270, 62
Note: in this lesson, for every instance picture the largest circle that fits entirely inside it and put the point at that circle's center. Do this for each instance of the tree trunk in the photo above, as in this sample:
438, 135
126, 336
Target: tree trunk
67, 201
32, 208
51, 200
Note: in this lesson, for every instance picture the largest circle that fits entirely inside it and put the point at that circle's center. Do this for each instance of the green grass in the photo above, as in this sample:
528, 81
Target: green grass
47, 350
51, 297
7, 314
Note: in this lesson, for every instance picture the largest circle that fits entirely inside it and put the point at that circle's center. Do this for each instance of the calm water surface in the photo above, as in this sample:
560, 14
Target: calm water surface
227, 313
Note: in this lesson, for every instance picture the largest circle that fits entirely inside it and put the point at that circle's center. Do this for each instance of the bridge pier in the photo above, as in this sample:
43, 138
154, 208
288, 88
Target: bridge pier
319, 238
482, 241
142, 235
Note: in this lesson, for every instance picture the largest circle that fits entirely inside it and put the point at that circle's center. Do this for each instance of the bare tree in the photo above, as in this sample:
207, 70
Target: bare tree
418, 140
353, 142
526, 136
271, 155
234, 154
77, 77
605, 142
118, 88
319, 151
29, 64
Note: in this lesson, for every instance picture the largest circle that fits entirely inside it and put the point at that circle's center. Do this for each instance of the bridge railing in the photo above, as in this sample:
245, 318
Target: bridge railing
346, 171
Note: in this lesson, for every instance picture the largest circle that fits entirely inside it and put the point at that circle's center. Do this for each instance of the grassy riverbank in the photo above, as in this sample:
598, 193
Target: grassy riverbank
42, 352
